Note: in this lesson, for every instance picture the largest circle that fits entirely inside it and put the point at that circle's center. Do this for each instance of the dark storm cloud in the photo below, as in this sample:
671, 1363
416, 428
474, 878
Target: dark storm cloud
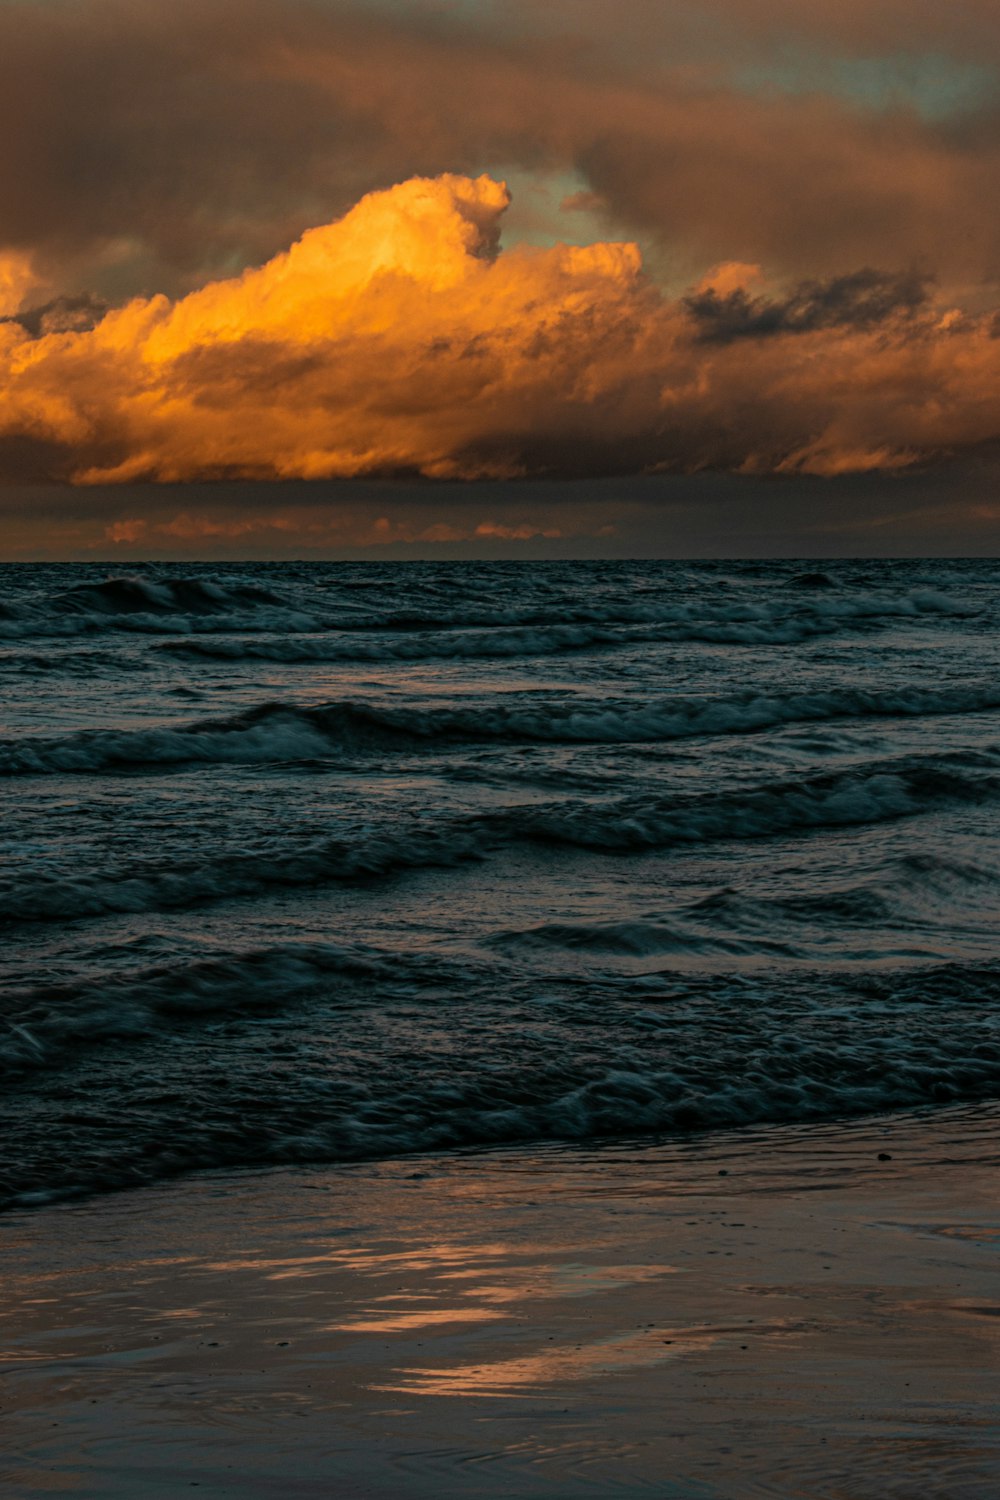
148, 145
61, 315
859, 300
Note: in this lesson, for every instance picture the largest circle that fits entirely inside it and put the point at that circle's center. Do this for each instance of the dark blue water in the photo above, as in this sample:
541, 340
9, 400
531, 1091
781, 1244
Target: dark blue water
312, 862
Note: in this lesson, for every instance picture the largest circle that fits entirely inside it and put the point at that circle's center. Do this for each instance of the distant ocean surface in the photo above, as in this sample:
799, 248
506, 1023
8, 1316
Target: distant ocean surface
314, 862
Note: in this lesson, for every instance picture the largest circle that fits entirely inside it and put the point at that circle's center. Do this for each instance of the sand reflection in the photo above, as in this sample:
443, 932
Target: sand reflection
525, 1374
485, 1293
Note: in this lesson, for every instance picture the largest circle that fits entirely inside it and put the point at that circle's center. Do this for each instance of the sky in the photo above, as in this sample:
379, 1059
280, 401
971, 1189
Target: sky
489, 278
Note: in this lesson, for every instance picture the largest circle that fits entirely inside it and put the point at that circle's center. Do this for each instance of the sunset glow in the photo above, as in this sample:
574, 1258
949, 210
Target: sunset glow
499, 692
745, 239
398, 340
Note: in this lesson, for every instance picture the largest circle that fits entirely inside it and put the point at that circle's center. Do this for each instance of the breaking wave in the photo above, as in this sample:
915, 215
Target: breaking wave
39, 1024
280, 732
151, 605
897, 789
660, 1056
205, 607
131, 596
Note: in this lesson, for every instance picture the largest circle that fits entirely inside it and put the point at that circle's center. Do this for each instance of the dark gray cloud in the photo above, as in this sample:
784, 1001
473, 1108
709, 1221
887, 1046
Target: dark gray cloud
61, 315
949, 511
861, 299
147, 146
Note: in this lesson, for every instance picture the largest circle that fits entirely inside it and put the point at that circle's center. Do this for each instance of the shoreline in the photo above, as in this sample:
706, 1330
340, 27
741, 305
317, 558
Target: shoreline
767, 1312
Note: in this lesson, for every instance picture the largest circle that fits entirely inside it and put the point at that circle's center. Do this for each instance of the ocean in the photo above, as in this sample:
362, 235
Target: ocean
326, 862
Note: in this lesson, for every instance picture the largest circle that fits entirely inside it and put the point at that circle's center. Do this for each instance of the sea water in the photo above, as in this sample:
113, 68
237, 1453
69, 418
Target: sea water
316, 862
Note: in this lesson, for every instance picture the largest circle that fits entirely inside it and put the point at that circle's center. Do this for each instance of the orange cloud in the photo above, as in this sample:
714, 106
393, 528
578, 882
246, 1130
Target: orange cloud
731, 276
343, 529
125, 531
17, 280
521, 533
398, 340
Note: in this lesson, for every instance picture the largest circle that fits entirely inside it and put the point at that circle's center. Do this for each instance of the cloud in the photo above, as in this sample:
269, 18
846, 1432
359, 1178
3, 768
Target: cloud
862, 299
150, 146
342, 530
128, 531
60, 315
702, 30
400, 341
17, 280
523, 533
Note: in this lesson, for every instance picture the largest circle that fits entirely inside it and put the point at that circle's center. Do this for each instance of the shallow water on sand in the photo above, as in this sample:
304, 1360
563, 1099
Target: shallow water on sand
772, 1312
319, 862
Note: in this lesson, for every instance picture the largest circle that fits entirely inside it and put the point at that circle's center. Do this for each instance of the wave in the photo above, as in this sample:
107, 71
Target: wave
151, 605
464, 644
281, 732
203, 606
262, 869
914, 906
812, 581
190, 596
73, 663
38, 1025
269, 733
667, 1056
907, 603
896, 789
460, 635
640, 938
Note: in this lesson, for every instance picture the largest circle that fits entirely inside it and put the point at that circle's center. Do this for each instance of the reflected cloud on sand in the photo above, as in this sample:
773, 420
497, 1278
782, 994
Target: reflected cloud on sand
506, 1285
522, 1375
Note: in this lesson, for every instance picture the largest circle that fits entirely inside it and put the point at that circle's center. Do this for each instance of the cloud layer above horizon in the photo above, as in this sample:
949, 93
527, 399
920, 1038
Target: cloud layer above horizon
400, 341
261, 240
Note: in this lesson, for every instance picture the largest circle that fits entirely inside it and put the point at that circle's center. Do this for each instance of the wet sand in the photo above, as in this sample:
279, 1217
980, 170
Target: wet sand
779, 1312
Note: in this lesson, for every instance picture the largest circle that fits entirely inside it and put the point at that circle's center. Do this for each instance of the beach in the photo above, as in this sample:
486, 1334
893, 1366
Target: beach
787, 1311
